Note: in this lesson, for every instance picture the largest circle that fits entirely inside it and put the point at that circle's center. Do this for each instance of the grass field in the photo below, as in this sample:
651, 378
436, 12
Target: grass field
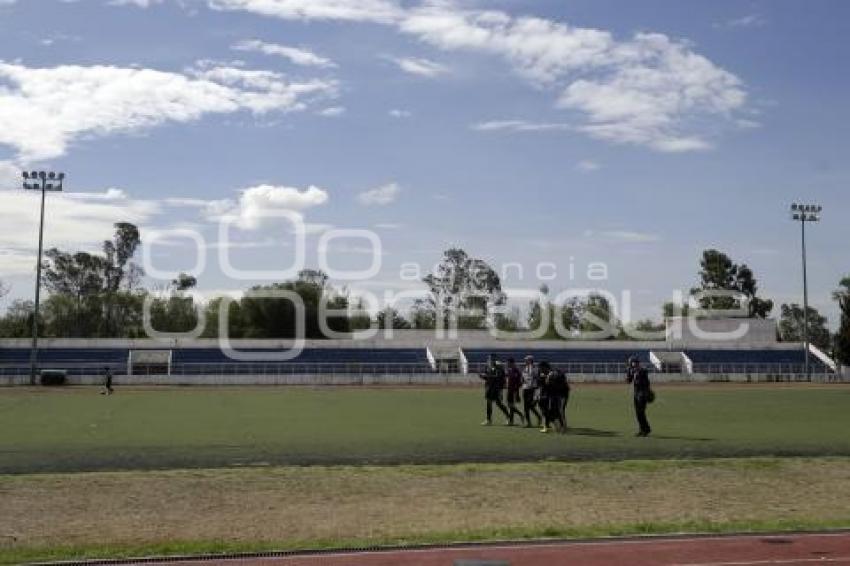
108, 514
156, 428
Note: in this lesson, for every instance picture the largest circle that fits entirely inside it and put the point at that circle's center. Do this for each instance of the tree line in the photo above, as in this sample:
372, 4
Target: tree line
100, 295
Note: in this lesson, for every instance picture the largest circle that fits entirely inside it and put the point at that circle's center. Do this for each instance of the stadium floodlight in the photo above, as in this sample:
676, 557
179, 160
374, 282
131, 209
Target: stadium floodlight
803, 213
45, 182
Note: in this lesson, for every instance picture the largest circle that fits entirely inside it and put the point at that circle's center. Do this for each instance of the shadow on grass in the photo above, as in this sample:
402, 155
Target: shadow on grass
690, 438
583, 431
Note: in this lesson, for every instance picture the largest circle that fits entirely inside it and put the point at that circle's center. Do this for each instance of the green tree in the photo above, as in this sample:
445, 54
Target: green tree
95, 295
719, 273
463, 288
275, 317
423, 316
792, 326
175, 311
599, 308
567, 312
671, 309
17, 321
842, 338
391, 318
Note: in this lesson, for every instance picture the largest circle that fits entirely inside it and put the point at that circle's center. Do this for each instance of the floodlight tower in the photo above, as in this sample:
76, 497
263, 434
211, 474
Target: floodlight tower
45, 182
805, 213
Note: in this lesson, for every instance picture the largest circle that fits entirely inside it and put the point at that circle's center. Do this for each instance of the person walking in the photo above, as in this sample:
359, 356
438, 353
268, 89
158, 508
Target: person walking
561, 394
530, 385
107, 381
547, 399
494, 384
643, 395
514, 377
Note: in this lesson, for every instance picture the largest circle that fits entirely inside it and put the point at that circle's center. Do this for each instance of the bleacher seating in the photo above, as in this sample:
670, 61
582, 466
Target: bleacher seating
77, 361
752, 361
388, 361
569, 360
199, 361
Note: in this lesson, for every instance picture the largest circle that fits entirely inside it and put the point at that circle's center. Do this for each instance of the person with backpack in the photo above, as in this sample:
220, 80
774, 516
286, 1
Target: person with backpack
514, 377
494, 383
643, 395
530, 386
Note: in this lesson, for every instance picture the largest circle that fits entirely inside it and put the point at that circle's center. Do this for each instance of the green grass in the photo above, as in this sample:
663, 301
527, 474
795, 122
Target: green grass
77, 429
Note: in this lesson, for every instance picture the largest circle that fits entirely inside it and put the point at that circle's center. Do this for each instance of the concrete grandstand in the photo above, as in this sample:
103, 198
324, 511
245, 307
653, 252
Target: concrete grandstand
416, 356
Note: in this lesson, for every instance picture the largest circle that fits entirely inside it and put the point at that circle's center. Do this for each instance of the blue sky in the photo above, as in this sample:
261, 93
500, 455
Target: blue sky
629, 133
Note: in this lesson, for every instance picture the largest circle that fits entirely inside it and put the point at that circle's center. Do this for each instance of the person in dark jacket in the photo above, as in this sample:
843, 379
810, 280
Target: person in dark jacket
514, 377
494, 384
561, 391
639, 378
553, 384
548, 399
107, 382
530, 386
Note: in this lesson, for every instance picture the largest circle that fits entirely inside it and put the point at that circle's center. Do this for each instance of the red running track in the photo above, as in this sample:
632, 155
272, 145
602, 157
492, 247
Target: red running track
832, 549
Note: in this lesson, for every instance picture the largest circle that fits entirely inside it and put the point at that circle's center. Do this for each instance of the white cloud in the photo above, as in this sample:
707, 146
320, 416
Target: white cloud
10, 175
73, 220
588, 165
398, 113
43, 110
257, 205
520, 126
380, 11
297, 55
748, 21
7, 2
621, 236
14, 262
649, 90
139, 3
380, 196
332, 111
420, 67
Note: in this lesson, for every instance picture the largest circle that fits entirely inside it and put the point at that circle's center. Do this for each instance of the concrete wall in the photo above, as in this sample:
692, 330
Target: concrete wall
731, 331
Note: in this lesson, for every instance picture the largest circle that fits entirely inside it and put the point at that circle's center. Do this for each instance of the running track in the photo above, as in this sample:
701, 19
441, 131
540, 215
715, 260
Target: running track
831, 549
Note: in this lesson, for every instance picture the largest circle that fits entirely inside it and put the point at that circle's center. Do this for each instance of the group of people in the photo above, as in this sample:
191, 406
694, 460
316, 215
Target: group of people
544, 391
541, 390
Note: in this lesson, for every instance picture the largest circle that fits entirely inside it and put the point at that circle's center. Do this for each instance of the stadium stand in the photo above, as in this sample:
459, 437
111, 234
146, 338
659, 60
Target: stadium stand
571, 360
752, 361
411, 357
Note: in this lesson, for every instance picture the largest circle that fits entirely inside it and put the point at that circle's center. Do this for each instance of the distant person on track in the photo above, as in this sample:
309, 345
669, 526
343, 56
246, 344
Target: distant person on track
514, 377
530, 386
494, 384
107, 382
643, 395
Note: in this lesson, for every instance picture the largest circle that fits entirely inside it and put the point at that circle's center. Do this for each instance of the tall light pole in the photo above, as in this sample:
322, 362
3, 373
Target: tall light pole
39, 181
805, 213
